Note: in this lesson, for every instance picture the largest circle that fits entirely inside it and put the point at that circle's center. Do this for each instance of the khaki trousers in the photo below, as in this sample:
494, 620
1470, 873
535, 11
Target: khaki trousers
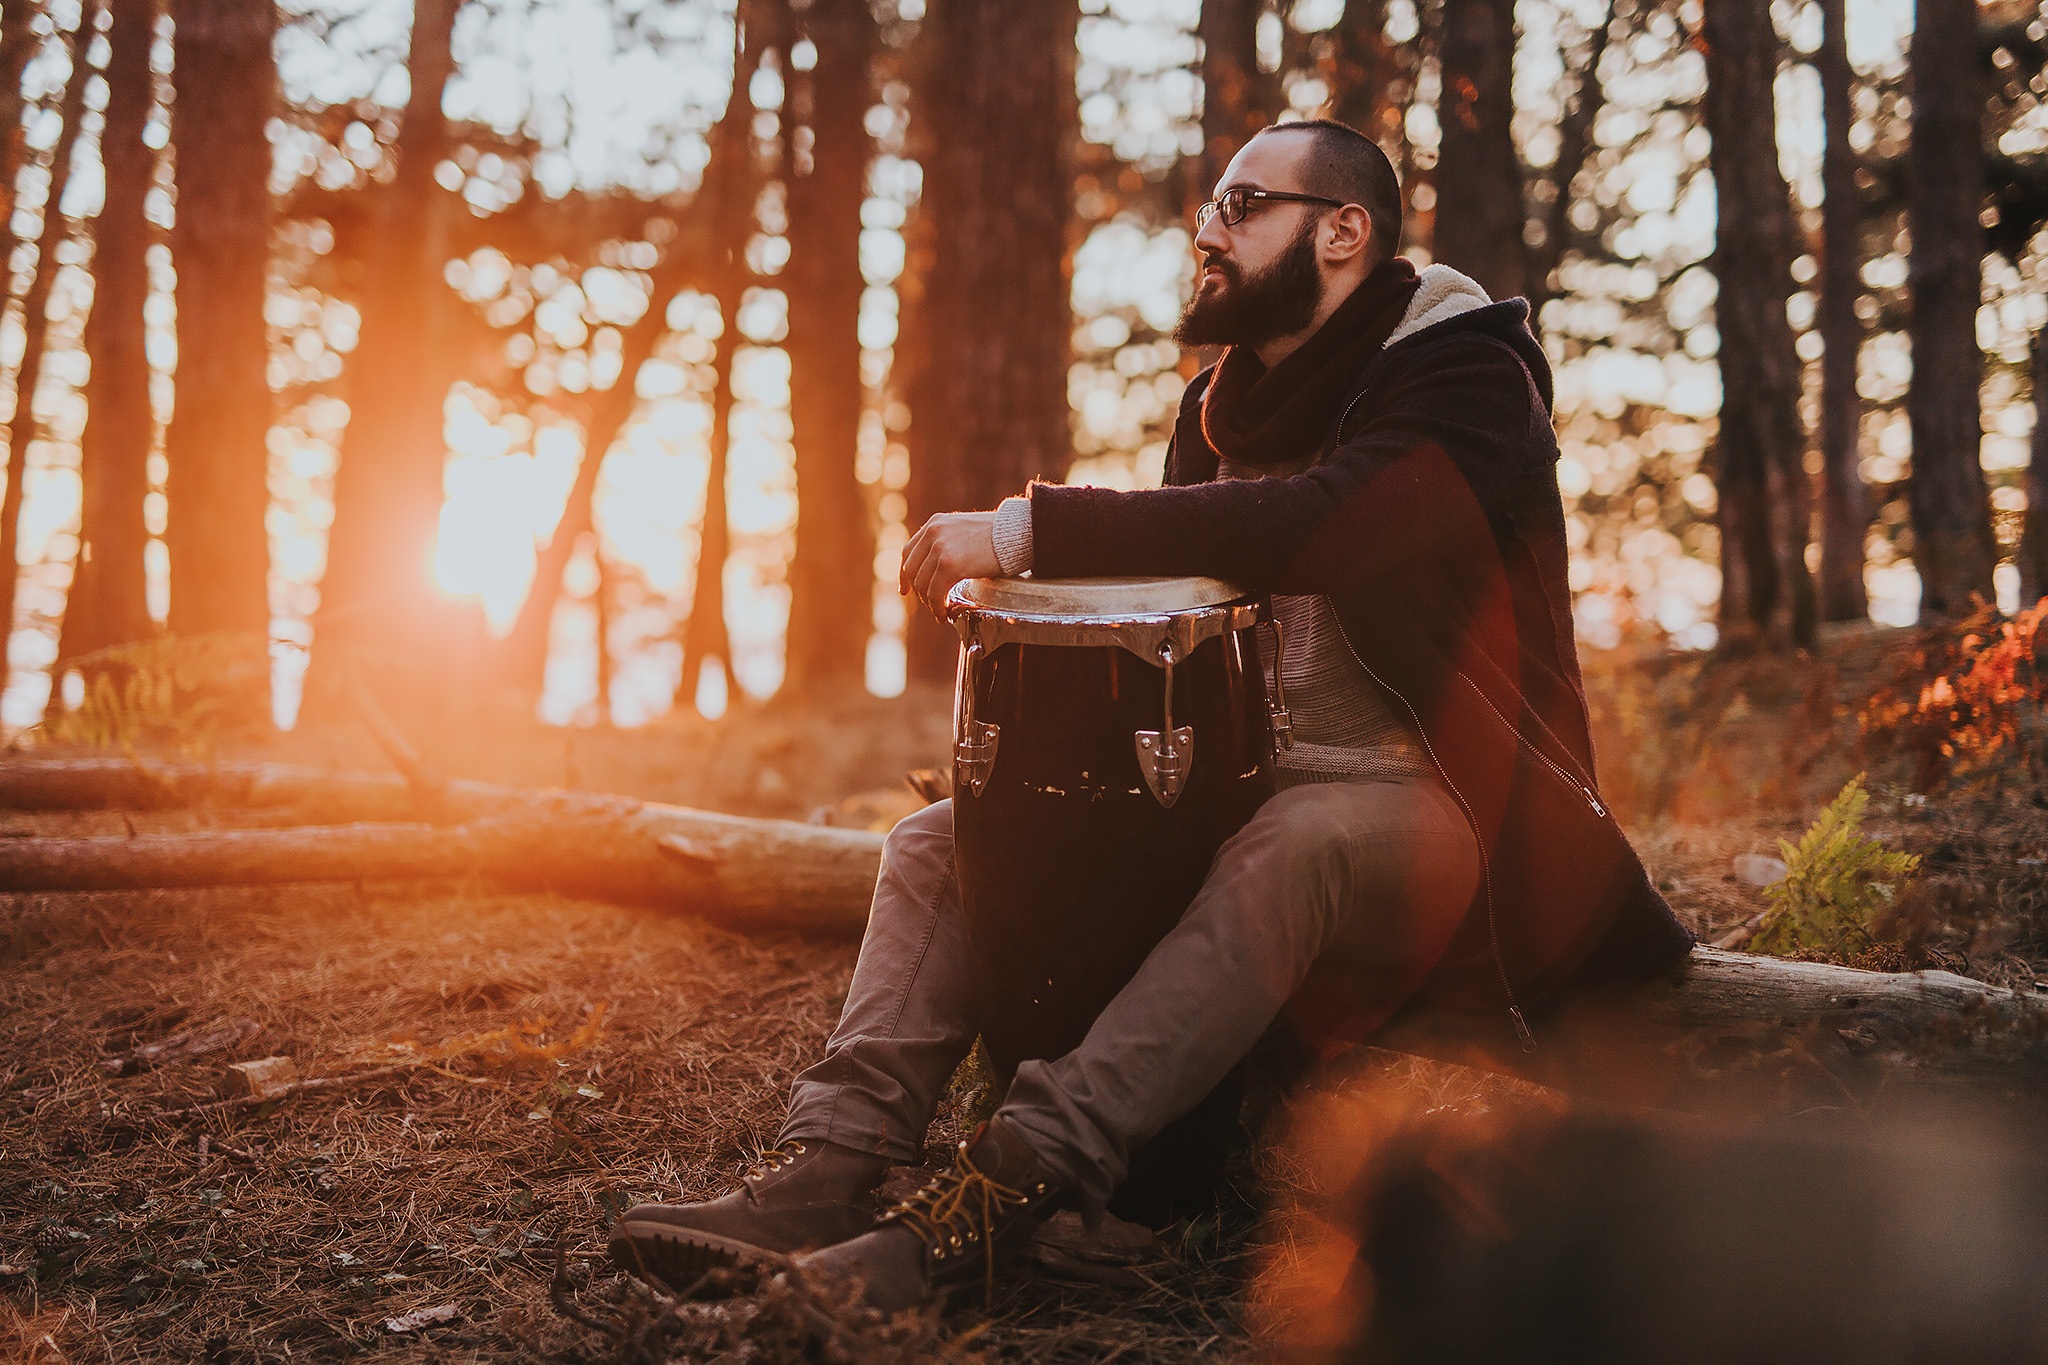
1360, 883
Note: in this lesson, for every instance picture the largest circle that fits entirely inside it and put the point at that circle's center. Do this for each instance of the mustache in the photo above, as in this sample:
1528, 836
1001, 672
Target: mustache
1216, 260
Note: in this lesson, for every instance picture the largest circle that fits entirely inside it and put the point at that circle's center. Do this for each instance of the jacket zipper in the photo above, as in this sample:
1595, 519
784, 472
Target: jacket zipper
1356, 399
1522, 1032
1585, 791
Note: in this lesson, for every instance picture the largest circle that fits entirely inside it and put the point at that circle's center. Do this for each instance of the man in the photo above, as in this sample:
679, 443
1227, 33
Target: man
1374, 449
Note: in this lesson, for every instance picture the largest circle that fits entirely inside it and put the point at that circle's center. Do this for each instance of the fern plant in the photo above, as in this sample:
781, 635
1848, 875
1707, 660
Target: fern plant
1836, 887
181, 691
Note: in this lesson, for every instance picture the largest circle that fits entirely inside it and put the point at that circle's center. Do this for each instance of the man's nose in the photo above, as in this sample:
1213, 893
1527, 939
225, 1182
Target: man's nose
1212, 236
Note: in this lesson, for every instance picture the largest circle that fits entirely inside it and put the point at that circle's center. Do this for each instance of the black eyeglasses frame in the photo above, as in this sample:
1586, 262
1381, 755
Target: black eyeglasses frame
1234, 204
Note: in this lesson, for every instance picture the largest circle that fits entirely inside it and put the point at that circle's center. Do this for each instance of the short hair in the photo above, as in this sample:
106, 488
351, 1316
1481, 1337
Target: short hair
1346, 164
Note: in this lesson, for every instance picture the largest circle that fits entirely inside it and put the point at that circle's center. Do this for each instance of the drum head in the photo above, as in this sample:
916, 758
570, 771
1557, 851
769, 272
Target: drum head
1092, 597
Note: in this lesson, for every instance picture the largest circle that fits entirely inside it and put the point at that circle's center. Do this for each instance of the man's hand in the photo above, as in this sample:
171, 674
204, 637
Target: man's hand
949, 547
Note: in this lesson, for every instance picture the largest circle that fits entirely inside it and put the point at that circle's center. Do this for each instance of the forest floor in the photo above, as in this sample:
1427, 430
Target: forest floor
529, 1064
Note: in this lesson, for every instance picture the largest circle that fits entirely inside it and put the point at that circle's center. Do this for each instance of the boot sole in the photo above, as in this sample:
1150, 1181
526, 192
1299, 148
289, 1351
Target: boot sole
677, 1257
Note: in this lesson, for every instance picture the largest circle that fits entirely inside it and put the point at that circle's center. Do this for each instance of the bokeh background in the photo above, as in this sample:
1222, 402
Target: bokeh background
623, 308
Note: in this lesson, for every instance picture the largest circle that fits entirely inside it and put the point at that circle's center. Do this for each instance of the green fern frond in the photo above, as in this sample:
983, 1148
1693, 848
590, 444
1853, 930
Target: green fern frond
1836, 886
177, 690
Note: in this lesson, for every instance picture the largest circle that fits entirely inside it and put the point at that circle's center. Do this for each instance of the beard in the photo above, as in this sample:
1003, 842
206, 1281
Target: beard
1250, 310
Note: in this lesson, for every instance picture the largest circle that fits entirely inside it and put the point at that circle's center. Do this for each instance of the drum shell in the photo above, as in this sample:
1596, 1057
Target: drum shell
1070, 868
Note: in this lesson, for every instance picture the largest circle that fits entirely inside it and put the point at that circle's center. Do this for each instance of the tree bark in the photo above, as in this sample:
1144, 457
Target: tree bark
226, 89
989, 406
378, 600
1238, 99
2033, 548
1951, 511
1479, 212
832, 575
107, 605
1370, 78
1574, 142
35, 326
1767, 600
751, 874
705, 641
1844, 507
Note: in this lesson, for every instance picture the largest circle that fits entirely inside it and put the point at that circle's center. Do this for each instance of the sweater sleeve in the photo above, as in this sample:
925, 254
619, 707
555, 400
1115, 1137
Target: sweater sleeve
1427, 474
1013, 536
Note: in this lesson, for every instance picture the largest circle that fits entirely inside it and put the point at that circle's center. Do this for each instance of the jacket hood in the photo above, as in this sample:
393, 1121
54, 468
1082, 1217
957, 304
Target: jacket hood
1447, 303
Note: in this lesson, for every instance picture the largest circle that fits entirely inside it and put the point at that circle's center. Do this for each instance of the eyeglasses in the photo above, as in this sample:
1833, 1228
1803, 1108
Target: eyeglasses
1235, 204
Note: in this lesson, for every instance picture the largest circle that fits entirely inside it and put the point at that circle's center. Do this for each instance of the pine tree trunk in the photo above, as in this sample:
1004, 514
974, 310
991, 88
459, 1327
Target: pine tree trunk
1844, 507
1952, 544
2033, 549
1238, 99
1574, 142
989, 406
1767, 600
706, 240
107, 605
730, 180
1371, 79
1479, 212
832, 574
35, 326
705, 641
378, 601
219, 485
523, 654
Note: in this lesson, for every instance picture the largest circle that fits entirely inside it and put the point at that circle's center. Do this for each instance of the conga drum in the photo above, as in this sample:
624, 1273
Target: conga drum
1109, 736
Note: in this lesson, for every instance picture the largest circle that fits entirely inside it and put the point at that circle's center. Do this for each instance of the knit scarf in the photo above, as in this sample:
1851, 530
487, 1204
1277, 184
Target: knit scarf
1255, 416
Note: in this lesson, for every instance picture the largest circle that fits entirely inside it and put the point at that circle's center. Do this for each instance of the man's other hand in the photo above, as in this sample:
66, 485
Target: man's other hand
949, 547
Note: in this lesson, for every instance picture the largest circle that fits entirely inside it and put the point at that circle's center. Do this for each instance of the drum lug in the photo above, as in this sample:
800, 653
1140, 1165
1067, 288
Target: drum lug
974, 755
1165, 765
1277, 715
1165, 755
974, 741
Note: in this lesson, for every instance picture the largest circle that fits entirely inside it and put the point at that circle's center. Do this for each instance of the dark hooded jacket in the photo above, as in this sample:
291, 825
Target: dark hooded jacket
1433, 523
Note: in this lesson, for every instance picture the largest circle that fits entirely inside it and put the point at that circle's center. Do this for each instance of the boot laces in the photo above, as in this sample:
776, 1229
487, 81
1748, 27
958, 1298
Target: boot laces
775, 1158
957, 1210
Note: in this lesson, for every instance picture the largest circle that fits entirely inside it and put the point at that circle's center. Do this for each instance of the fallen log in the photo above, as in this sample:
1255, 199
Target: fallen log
93, 784
1725, 1014
746, 874
1731, 1026
97, 784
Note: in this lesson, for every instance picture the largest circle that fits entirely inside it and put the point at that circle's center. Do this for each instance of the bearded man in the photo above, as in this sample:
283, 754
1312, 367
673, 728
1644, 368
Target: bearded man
1374, 449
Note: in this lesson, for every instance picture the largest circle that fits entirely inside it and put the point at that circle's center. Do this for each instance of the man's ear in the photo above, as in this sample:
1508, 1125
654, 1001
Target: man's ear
1350, 234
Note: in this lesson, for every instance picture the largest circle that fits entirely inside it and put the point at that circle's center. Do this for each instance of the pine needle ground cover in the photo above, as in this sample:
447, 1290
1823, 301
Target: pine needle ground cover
531, 1066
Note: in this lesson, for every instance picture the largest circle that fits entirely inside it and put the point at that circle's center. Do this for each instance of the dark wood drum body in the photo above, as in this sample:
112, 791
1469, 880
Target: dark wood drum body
1074, 862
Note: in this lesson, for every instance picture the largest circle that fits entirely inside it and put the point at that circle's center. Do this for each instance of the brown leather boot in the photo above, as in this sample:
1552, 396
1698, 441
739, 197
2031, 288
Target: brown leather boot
806, 1193
957, 1231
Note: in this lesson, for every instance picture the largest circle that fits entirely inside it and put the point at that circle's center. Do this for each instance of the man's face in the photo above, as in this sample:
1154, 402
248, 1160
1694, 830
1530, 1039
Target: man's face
1261, 278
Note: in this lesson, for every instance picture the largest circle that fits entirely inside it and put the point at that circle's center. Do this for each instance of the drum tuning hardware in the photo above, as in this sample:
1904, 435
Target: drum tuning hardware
974, 741
1277, 714
1166, 754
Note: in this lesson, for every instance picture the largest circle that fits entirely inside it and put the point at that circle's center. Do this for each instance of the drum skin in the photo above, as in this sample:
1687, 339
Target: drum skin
1070, 869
